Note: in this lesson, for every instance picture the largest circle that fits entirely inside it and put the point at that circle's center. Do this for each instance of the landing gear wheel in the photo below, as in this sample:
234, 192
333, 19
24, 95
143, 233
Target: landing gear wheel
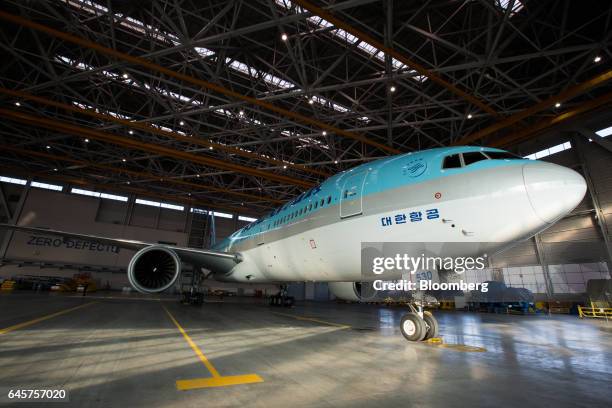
413, 327
431, 325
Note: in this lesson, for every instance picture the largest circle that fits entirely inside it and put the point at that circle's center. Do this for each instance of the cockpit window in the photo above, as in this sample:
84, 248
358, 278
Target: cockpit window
502, 155
473, 157
452, 162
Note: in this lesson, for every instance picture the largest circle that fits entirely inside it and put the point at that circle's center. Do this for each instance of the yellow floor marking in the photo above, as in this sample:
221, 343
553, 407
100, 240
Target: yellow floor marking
41, 319
184, 385
217, 379
312, 319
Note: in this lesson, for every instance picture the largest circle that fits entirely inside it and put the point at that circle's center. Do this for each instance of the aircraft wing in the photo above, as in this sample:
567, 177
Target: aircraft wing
216, 261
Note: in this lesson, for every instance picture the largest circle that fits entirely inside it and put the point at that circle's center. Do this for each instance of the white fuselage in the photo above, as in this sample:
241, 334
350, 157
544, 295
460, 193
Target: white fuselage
500, 206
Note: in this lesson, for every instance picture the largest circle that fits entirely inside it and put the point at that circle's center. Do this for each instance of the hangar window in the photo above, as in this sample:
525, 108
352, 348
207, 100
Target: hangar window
47, 186
473, 157
452, 162
161, 205
13, 180
248, 219
199, 211
502, 155
222, 215
99, 195
551, 150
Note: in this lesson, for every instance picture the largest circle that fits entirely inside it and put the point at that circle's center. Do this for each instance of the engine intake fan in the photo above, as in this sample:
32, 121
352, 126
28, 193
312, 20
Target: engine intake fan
154, 269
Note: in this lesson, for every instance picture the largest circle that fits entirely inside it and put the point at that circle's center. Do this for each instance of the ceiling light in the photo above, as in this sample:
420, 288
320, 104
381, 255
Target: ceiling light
125, 75
392, 89
131, 132
86, 140
335, 161
54, 169
197, 175
241, 113
123, 160
285, 166
17, 104
324, 133
469, 116
558, 105
127, 182
182, 123
48, 147
311, 101
284, 37
210, 148
597, 59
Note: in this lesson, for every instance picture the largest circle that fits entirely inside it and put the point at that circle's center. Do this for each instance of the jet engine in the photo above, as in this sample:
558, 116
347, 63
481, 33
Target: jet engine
352, 291
154, 269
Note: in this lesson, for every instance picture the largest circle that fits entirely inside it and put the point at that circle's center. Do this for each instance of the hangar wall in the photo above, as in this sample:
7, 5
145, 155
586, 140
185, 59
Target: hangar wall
558, 262
34, 254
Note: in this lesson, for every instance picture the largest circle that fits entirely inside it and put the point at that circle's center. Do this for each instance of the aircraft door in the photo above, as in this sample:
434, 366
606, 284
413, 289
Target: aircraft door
351, 200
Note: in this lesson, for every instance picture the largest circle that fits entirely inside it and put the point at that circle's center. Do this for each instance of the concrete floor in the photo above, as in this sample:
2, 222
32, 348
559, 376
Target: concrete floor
128, 352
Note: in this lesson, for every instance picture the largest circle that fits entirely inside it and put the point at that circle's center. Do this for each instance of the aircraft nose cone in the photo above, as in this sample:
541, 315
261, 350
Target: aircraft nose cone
553, 190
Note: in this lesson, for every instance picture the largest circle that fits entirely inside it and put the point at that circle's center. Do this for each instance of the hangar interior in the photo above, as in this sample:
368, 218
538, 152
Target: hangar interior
180, 121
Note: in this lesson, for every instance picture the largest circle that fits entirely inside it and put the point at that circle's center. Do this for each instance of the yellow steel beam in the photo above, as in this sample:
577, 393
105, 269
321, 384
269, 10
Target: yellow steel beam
538, 107
139, 174
24, 22
521, 135
80, 131
20, 95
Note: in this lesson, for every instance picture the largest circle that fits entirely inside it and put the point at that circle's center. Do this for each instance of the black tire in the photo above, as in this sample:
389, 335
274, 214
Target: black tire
413, 327
431, 324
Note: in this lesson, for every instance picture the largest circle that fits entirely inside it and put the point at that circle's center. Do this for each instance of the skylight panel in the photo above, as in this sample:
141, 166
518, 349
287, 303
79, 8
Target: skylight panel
504, 4
604, 132
351, 39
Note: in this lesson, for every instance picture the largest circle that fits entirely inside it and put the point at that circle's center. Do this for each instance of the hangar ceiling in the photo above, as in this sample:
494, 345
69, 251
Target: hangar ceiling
241, 105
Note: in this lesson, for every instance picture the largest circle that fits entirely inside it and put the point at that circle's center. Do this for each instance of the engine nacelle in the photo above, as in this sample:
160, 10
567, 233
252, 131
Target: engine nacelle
154, 269
352, 291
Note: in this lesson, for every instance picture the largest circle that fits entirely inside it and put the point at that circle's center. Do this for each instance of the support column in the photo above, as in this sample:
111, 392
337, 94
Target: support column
599, 214
14, 219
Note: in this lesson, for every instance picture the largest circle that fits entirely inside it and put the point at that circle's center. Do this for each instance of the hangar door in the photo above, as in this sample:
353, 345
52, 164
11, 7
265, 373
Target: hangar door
351, 200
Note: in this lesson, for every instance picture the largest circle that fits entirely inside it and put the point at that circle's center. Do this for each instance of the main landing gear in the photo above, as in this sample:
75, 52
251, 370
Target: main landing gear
418, 325
281, 298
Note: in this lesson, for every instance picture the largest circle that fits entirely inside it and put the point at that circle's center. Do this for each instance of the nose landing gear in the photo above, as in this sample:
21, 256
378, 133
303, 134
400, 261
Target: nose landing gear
418, 325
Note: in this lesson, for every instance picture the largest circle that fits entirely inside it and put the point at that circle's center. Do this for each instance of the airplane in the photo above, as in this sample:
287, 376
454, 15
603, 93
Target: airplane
456, 194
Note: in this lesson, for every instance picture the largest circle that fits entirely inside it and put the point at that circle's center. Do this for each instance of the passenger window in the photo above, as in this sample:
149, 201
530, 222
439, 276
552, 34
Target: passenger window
328, 199
316, 204
473, 157
452, 162
322, 202
309, 206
